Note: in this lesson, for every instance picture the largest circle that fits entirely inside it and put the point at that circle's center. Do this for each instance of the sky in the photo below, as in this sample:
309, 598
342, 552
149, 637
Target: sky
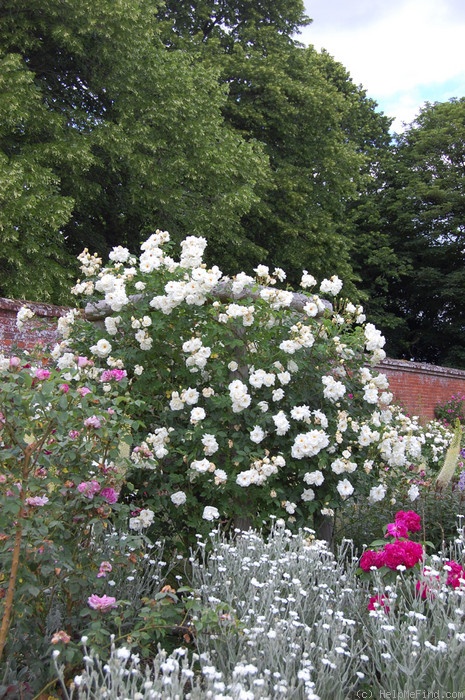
402, 52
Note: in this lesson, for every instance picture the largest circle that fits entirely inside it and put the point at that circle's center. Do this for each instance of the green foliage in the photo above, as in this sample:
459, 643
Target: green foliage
419, 200
62, 530
451, 410
210, 118
33, 211
251, 401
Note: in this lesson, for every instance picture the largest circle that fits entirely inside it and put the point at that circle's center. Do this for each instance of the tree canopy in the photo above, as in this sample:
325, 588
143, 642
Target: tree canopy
420, 212
209, 118
204, 118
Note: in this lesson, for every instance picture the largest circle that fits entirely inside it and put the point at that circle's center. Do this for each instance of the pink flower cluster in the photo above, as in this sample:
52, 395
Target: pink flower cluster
89, 489
455, 578
379, 601
109, 374
93, 422
37, 500
401, 552
455, 573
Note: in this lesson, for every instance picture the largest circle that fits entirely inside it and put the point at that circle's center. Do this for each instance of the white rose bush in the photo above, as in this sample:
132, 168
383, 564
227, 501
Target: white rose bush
217, 419
251, 400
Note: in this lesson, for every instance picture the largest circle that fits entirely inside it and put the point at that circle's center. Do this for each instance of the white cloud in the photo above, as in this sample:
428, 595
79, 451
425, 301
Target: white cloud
403, 52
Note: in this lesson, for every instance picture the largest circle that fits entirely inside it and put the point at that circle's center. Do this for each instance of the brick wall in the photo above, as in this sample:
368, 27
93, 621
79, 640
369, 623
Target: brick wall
416, 386
39, 331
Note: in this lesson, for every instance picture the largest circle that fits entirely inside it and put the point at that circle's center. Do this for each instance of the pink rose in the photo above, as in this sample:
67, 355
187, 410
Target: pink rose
109, 494
454, 573
92, 422
37, 500
89, 488
105, 568
102, 603
371, 558
409, 519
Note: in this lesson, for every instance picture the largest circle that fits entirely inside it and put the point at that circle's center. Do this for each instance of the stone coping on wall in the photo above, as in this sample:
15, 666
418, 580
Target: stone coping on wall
406, 366
39, 308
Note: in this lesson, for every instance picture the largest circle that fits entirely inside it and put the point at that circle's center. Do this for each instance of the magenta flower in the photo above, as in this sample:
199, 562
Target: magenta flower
64, 388
409, 519
37, 500
379, 602
397, 530
109, 494
102, 603
105, 568
109, 374
92, 422
73, 434
42, 373
89, 488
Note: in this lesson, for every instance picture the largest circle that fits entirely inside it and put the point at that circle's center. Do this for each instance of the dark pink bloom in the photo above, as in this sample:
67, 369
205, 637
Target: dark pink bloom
64, 388
396, 530
409, 519
42, 373
109, 494
454, 573
371, 558
92, 422
109, 374
402, 553
73, 434
103, 603
422, 587
89, 488
377, 602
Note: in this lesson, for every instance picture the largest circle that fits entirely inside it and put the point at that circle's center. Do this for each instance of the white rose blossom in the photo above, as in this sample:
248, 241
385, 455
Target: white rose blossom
210, 513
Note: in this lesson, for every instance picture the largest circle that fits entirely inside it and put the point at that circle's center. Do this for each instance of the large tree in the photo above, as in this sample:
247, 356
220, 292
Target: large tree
315, 125
148, 146
421, 204
33, 212
203, 118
